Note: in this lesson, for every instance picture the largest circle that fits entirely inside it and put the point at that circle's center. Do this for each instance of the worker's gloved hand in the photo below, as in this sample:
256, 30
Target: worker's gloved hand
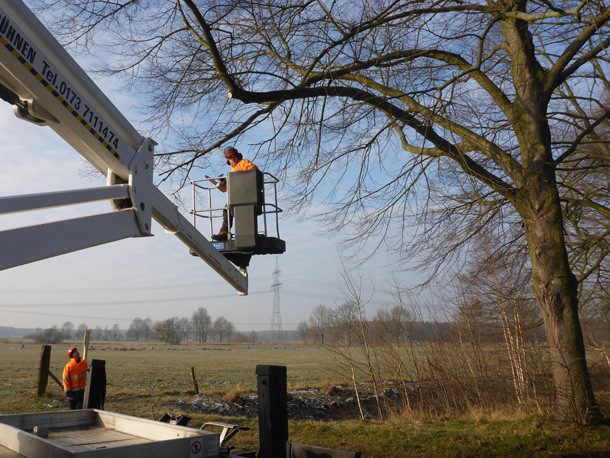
219, 183
222, 184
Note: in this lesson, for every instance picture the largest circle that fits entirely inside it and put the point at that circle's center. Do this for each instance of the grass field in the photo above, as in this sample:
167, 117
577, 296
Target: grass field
149, 380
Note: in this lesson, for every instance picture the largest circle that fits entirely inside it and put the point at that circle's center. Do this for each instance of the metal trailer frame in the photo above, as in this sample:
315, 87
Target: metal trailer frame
48, 87
100, 434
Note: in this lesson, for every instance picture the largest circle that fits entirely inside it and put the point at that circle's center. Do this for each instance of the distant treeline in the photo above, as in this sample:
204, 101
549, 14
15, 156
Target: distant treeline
319, 328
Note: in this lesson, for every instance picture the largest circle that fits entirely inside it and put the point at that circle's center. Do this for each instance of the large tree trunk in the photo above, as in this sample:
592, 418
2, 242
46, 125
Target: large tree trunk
537, 201
555, 288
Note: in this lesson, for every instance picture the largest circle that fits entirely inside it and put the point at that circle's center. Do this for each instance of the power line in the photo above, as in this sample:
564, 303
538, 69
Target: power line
59, 315
294, 293
127, 302
114, 289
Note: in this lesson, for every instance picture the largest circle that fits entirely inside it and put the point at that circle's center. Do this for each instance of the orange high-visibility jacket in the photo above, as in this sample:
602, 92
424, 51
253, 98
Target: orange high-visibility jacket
244, 165
75, 377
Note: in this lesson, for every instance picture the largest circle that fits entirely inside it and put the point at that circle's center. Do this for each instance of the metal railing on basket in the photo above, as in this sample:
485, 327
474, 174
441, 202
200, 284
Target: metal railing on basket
208, 203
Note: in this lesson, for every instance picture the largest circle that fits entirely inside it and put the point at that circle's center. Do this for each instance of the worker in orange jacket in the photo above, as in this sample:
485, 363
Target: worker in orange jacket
75, 379
238, 164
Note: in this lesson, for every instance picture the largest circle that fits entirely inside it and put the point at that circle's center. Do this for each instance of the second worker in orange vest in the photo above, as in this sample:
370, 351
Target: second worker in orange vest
75, 379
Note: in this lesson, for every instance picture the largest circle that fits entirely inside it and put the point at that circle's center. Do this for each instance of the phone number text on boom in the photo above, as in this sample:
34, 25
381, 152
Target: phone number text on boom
72, 98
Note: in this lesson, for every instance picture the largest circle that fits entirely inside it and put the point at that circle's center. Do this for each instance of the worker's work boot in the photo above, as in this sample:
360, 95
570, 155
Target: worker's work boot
222, 235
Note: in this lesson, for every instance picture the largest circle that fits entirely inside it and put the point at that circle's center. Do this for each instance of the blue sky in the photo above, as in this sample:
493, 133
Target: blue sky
153, 277
149, 277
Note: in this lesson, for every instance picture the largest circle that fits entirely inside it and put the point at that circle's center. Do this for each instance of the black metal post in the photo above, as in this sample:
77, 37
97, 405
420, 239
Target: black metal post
272, 411
95, 391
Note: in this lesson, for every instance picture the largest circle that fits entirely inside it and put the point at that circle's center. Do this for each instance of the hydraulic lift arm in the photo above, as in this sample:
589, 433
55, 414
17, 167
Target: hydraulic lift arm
47, 87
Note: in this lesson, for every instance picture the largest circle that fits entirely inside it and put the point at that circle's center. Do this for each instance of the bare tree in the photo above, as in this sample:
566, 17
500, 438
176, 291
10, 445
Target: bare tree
184, 328
303, 330
342, 345
67, 330
223, 329
351, 341
115, 333
98, 333
393, 332
81, 329
393, 324
320, 321
140, 329
201, 323
147, 329
168, 330
499, 280
420, 121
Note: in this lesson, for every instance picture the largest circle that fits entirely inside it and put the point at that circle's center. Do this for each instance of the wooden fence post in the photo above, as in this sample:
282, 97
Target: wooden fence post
195, 384
86, 339
43, 370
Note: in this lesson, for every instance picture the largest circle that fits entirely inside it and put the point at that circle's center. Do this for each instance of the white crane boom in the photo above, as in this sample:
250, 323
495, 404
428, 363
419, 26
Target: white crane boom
48, 87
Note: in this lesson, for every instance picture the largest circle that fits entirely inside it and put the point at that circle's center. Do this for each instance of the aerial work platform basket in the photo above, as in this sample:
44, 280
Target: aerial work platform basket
251, 202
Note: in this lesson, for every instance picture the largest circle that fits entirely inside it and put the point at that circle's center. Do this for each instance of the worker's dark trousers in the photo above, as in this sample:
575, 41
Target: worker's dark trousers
76, 403
227, 220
